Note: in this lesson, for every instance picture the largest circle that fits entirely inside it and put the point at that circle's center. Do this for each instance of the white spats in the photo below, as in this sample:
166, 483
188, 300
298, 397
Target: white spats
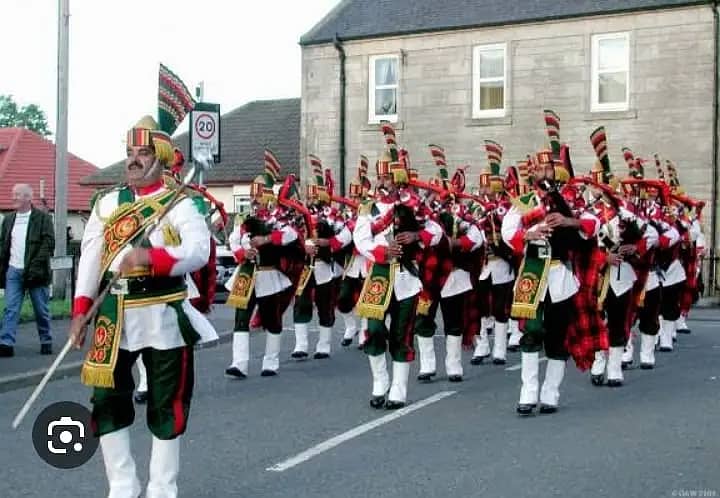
647, 350
629, 350
301, 338
323, 344
362, 336
380, 376
119, 465
614, 365
515, 334
554, 374
598, 366
350, 325
164, 468
241, 351
530, 374
426, 350
398, 389
482, 345
142, 375
500, 341
271, 360
453, 356
666, 335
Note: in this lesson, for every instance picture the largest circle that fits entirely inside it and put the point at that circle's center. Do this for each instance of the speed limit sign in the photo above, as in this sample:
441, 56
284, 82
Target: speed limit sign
205, 129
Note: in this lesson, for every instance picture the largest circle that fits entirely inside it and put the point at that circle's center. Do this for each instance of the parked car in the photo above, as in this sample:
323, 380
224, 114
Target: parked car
225, 265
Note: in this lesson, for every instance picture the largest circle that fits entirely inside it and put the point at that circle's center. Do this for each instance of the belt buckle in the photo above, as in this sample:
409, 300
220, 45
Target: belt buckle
120, 288
543, 252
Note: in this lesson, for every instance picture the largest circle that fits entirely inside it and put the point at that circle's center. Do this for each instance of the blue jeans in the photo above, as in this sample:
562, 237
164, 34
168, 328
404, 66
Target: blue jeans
14, 296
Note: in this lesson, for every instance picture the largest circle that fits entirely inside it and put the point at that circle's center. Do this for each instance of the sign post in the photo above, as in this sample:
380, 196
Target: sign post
205, 130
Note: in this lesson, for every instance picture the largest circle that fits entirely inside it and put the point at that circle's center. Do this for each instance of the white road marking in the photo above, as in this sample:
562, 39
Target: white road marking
355, 432
519, 365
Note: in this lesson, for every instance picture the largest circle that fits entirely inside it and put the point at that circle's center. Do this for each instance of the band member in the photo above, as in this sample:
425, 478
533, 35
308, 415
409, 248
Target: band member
327, 237
389, 235
357, 266
554, 241
147, 312
673, 281
622, 240
499, 267
259, 245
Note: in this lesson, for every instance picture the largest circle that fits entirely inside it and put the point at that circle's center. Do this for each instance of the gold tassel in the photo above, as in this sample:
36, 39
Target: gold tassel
95, 377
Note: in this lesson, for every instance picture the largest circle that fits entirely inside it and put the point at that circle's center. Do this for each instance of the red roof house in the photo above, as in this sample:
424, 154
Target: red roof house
26, 157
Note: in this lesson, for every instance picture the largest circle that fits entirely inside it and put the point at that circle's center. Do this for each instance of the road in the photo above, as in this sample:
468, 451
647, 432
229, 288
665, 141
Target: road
656, 436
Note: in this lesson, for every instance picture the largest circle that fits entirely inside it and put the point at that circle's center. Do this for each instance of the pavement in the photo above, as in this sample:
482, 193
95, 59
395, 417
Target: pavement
309, 432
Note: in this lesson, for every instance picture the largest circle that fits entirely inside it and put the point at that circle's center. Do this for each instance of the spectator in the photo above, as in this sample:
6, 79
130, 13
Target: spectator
26, 245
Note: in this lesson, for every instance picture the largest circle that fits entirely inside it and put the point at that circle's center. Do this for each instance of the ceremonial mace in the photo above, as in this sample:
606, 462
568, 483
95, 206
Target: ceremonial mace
202, 161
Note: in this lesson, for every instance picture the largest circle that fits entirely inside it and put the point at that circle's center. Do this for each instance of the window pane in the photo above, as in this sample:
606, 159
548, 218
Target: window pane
386, 71
492, 95
385, 102
613, 53
613, 87
492, 63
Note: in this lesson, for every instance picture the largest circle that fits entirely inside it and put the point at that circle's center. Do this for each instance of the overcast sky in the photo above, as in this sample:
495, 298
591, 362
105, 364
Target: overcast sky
243, 50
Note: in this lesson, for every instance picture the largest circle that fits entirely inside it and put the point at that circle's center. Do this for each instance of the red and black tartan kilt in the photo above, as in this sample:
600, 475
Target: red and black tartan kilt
588, 333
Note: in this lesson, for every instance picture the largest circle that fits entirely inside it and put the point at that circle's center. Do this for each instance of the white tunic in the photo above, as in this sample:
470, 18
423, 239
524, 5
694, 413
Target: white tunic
406, 284
268, 281
153, 326
459, 280
562, 283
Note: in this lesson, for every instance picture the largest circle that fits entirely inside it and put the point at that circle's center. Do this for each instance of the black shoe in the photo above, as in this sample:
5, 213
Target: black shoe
513, 349
499, 361
46, 349
477, 360
683, 331
377, 402
6, 351
361, 346
299, 355
268, 373
597, 380
666, 349
235, 372
525, 410
646, 366
614, 383
394, 405
426, 377
141, 397
321, 356
346, 342
455, 378
626, 365
546, 409
674, 340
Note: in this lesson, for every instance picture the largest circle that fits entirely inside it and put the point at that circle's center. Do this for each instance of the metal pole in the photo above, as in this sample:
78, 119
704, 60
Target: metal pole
61, 139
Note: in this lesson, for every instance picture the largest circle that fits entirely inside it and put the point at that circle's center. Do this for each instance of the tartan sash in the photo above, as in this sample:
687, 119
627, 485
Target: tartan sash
377, 291
124, 226
530, 287
243, 286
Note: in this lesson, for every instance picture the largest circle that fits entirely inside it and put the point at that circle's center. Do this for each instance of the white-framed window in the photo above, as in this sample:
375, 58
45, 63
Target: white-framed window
383, 79
489, 81
610, 72
242, 204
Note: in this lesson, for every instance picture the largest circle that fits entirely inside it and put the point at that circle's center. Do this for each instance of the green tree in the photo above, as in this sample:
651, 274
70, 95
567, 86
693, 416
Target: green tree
29, 116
